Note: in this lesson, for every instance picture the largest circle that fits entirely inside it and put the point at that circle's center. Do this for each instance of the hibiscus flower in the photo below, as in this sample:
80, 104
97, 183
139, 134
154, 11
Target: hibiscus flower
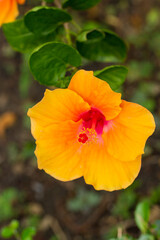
9, 10
87, 130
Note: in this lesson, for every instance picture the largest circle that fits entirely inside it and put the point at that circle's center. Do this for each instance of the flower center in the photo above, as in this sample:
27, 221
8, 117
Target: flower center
92, 126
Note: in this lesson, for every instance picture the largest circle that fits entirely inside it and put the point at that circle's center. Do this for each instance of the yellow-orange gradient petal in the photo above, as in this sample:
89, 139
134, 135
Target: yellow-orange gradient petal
105, 172
4, 9
126, 138
21, 1
56, 106
58, 151
12, 12
97, 93
9, 10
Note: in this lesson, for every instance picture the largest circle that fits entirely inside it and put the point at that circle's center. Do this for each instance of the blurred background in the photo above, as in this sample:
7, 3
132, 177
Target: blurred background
74, 210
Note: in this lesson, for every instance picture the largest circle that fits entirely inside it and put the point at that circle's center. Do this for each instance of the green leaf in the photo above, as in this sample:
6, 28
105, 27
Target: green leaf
28, 233
7, 198
101, 45
142, 215
44, 20
156, 227
21, 39
146, 237
113, 75
80, 4
7, 232
14, 224
49, 63
65, 81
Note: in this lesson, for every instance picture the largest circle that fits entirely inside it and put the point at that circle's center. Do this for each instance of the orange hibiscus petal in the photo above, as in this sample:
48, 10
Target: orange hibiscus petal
105, 172
56, 106
97, 93
58, 152
12, 12
4, 6
126, 138
21, 1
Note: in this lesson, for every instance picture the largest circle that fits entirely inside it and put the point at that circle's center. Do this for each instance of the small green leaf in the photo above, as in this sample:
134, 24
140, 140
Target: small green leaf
101, 45
146, 237
113, 75
28, 233
21, 39
65, 81
156, 227
49, 63
80, 4
7, 232
142, 215
7, 198
44, 20
14, 224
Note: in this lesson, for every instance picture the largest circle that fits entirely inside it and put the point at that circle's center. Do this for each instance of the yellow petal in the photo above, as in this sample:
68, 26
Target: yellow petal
105, 172
58, 151
97, 93
129, 131
56, 106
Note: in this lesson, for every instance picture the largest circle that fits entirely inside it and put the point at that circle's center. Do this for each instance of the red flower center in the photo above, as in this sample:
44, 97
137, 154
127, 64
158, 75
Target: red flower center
92, 126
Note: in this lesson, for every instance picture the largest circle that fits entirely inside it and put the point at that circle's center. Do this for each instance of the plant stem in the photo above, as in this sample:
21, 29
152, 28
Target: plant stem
76, 25
43, 3
68, 37
57, 3
17, 236
66, 26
